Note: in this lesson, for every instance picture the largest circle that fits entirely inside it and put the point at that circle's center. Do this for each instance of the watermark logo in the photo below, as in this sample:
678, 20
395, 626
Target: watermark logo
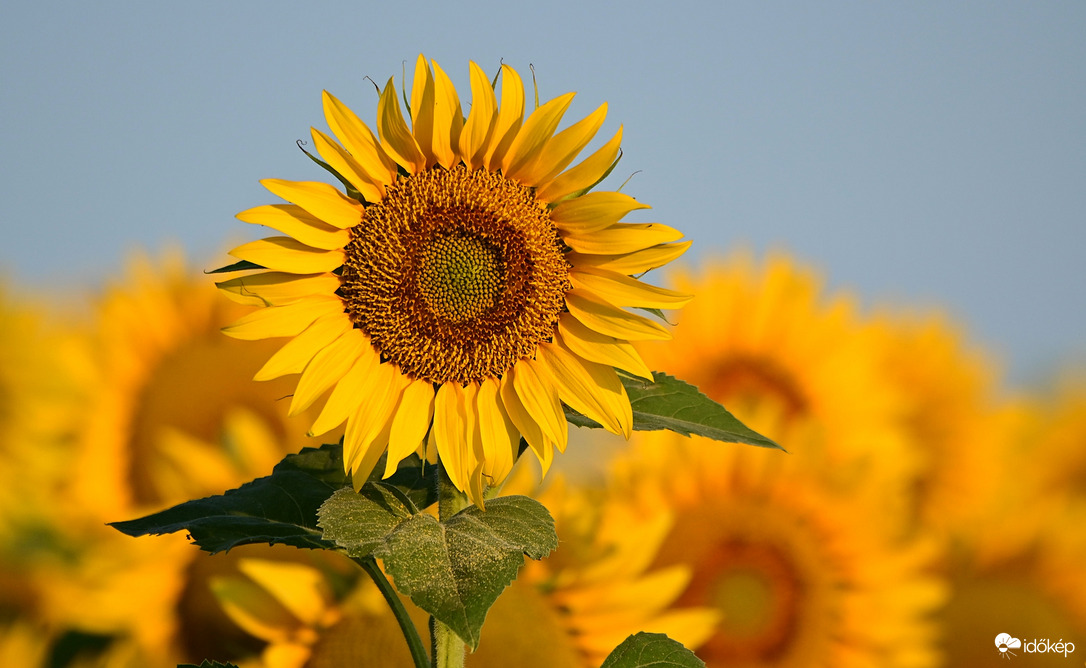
1005, 642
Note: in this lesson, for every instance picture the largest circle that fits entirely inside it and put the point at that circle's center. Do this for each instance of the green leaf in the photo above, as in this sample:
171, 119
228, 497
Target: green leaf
453, 570
241, 265
280, 508
643, 650
675, 405
207, 664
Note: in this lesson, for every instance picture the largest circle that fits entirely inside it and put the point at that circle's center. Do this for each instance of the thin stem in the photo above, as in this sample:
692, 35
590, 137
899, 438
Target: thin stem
410, 633
448, 649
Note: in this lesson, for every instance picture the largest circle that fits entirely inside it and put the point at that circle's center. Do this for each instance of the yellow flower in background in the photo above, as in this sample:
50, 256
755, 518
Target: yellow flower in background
766, 342
175, 414
22, 644
467, 280
803, 573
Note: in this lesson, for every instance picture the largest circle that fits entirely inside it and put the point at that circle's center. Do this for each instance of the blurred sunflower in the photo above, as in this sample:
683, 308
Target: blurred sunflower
571, 609
769, 344
802, 572
175, 415
465, 285
953, 416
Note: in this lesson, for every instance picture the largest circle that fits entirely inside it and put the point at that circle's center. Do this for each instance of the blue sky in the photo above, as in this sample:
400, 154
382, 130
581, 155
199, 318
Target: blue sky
929, 154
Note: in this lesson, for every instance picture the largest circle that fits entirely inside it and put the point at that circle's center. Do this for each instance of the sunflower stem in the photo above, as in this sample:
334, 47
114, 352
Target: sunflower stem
448, 650
410, 633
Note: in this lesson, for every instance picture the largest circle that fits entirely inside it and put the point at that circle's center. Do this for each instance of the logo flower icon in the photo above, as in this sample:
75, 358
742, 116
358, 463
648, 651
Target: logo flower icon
1005, 643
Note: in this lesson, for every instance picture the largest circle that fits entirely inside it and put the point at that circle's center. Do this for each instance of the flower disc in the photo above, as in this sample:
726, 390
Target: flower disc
455, 275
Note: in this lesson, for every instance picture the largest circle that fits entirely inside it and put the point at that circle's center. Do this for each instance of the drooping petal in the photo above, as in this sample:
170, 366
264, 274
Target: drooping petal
632, 263
475, 137
605, 318
448, 119
533, 435
327, 368
622, 290
589, 171
423, 95
288, 320
274, 288
563, 147
476, 484
396, 138
359, 140
622, 238
510, 116
591, 389
344, 396
410, 424
289, 255
294, 221
369, 427
451, 435
540, 398
299, 351
593, 212
596, 347
538, 128
344, 163
319, 199
499, 436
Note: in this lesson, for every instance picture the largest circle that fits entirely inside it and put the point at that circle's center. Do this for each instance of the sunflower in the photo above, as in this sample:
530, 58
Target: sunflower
777, 350
175, 415
804, 573
464, 285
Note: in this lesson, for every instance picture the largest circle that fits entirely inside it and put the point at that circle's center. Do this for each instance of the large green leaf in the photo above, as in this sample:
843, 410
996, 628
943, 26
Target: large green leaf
655, 650
454, 569
675, 405
280, 508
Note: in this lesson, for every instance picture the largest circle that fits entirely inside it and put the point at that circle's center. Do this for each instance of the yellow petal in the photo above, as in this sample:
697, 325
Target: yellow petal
294, 221
288, 320
632, 263
290, 255
591, 389
622, 238
533, 435
300, 351
423, 96
254, 609
510, 114
299, 588
451, 435
583, 175
604, 318
412, 421
623, 290
326, 368
596, 347
474, 446
561, 149
368, 428
593, 212
499, 437
359, 140
448, 119
273, 288
319, 199
540, 398
396, 139
370, 187
537, 130
475, 137
344, 397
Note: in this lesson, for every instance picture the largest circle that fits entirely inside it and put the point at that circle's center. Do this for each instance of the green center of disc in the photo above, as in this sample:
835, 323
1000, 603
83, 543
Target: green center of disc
461, 276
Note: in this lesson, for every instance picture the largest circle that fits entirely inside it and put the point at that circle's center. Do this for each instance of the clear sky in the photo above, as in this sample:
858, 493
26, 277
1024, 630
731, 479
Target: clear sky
928, 153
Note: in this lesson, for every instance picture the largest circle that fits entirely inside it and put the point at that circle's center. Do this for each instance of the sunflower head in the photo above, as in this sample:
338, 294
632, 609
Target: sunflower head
465, 283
